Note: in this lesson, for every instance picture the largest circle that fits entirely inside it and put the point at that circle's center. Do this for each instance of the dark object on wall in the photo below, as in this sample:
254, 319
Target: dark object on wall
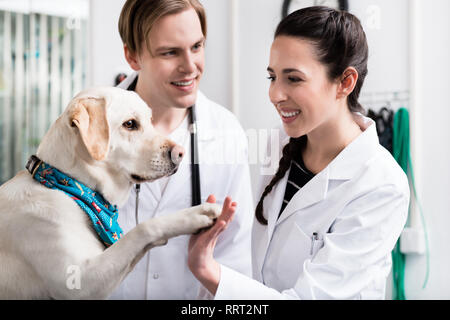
119, 78
384, 120
292, 5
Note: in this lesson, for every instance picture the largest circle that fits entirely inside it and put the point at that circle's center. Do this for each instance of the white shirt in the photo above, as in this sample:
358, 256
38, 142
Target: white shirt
180, 136
357, 205
222, 144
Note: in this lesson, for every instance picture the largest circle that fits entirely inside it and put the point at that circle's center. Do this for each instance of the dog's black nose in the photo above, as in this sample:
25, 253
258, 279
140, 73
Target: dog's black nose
176, 154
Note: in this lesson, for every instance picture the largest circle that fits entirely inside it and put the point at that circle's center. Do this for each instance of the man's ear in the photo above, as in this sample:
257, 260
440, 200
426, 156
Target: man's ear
132, 58
89, 116
347, 82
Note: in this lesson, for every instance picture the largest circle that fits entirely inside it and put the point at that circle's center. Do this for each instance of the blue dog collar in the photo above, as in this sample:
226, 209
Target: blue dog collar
102, 214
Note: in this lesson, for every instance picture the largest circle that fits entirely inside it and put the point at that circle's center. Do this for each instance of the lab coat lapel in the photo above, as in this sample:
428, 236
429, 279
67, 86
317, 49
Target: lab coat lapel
155, 190
312, 192
273, 203
261, 234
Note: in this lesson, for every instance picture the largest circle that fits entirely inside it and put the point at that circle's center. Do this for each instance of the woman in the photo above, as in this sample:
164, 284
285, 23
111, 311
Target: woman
328, 219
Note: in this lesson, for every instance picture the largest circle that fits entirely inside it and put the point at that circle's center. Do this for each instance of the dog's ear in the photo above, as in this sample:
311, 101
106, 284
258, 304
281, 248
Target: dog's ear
89, 116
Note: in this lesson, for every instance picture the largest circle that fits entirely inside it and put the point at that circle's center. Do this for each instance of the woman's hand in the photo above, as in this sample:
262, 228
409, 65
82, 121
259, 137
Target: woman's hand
201, 248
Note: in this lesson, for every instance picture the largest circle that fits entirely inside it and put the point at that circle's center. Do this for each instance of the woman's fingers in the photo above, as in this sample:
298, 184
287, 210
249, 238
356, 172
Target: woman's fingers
210, 235
211, 199
201, 246
221, 223
228, 210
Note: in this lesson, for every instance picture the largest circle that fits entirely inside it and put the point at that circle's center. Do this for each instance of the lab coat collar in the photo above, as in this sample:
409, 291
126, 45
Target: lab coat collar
311, 193
350, 160
125, 84
345, 166
205, 130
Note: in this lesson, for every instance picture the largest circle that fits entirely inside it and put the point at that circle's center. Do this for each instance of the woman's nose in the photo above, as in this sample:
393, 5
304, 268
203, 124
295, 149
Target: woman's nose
277, 94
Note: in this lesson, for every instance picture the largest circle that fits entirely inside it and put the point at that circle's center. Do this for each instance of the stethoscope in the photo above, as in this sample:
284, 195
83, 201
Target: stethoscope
195, 168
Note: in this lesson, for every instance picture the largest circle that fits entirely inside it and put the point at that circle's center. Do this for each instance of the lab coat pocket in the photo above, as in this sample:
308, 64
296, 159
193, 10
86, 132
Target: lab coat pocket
316, 243
288, 250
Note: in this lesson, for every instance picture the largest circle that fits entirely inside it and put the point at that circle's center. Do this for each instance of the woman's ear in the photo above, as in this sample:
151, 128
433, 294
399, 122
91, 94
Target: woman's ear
132, 58
347, 82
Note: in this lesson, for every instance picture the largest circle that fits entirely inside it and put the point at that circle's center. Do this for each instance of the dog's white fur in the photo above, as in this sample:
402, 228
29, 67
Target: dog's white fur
45, 238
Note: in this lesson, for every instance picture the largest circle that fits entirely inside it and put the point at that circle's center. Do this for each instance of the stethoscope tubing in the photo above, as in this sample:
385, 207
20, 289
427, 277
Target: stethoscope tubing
195, 168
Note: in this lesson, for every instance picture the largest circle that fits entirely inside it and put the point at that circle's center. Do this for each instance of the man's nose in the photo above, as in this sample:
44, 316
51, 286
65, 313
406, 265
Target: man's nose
187, 64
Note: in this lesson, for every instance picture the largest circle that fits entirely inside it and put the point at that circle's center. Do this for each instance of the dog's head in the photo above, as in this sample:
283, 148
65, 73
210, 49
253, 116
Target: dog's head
114, 127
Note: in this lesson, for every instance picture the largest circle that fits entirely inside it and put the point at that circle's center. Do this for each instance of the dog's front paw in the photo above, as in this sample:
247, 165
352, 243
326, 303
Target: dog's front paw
210, 211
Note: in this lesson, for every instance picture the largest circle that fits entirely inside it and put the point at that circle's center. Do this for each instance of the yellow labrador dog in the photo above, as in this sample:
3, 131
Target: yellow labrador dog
48, 247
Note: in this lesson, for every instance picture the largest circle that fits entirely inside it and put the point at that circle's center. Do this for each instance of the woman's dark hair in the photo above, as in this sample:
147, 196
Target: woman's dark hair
289, 151
340, 42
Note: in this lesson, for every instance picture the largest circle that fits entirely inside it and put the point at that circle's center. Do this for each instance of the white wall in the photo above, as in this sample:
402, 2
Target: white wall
216, 80
61, 8
105, 46
385, 23
257, 20
433, 176
389, 69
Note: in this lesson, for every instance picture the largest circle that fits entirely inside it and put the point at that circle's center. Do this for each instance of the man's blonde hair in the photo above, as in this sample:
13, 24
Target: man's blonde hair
138, 17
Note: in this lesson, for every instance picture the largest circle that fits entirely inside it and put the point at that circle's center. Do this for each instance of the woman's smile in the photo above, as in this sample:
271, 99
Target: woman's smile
288, 115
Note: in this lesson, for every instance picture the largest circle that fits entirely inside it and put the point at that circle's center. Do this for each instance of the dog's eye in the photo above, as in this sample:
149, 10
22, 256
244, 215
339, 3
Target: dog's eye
130, 124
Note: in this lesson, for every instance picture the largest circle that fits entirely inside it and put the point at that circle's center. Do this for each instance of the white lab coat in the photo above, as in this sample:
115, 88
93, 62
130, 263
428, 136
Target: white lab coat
357, 205
163, 272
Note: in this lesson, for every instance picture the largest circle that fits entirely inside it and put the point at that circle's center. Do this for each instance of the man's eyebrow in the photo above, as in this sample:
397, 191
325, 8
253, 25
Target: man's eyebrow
166, 49
170, 48
202, 39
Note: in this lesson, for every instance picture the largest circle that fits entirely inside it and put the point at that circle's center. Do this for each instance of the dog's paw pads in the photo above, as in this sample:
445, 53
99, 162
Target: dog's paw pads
206, 228
161, 242
212, 210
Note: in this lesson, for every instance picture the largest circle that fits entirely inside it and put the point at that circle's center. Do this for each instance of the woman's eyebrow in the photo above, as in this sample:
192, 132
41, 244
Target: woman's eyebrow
287, 70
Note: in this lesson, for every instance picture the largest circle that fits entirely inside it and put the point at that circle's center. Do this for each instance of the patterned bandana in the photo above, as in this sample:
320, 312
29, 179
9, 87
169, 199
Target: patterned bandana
103, 215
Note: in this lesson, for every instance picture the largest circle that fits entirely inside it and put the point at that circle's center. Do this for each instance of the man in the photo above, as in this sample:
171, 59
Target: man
164, 43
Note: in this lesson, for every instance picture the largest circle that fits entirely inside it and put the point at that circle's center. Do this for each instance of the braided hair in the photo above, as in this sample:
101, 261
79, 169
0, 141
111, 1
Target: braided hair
290, 151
